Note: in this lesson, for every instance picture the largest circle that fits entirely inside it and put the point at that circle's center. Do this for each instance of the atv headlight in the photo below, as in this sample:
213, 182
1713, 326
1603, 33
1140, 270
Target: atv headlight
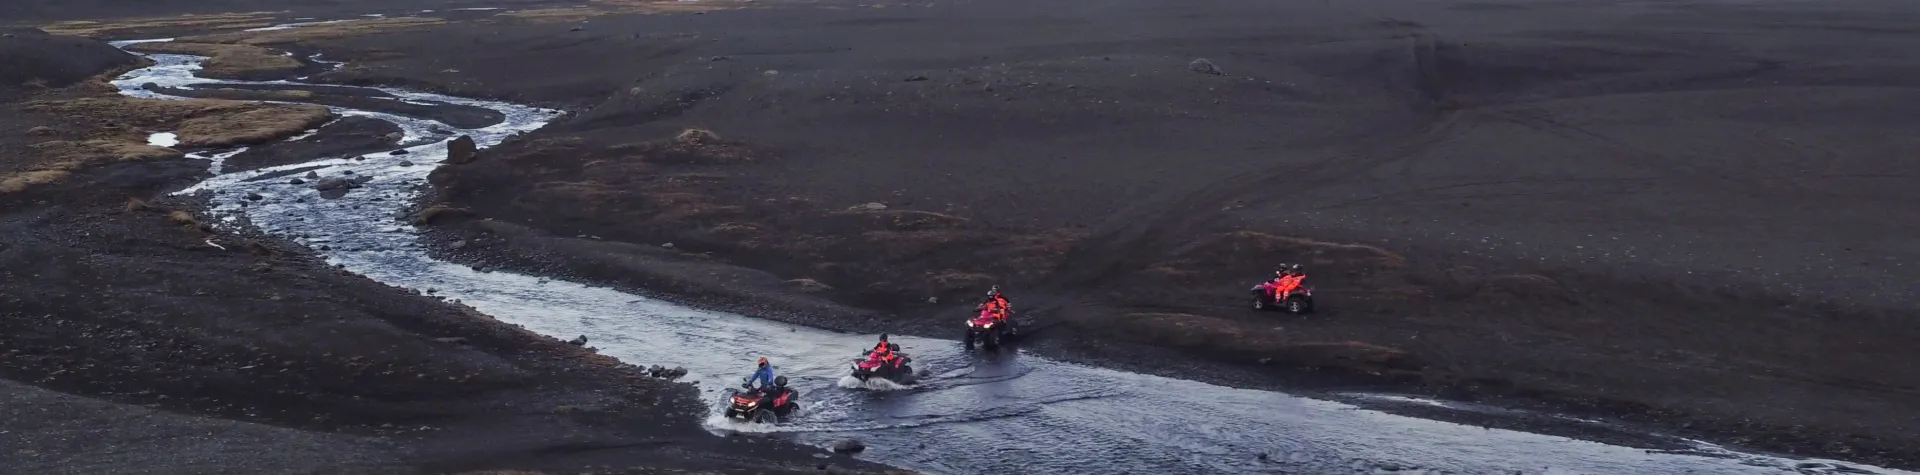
987, 325
755, 403
970, 322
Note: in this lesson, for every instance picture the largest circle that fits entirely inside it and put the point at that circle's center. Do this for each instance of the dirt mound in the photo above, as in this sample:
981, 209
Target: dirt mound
31, 60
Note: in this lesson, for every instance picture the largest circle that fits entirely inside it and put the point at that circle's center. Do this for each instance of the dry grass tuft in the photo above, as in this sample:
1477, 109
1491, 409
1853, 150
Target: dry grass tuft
20, 181
696, 137
135, 205
183, 218
227, 61
100, 28
435, 212
809, 285
71, 155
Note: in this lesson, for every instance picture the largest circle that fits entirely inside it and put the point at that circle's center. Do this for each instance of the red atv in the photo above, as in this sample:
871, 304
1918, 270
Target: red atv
990, 332
754, 406
873, 366
1287, 294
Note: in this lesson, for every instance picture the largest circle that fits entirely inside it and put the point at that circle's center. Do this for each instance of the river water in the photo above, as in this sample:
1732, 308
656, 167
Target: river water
976, 413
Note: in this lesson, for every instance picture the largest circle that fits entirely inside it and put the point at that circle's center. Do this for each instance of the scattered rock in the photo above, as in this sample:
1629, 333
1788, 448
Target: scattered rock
348, 172
394, 136
720, 58
581, 341
405, 163
667, 245
849, 446
461, 151
398, 152
255, 197
312, 175
1203, 66
576, 29
933, 299
875, 206
150, 86
456, 245
296, 181
330, 184
916, 78
770, 73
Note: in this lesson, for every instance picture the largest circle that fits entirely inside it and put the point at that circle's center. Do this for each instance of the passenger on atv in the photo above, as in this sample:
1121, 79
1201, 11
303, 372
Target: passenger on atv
996, 305
1285, 291
885, 362
994, 323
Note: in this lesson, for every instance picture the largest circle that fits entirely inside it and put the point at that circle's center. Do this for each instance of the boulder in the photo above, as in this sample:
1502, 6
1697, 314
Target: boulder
461, 151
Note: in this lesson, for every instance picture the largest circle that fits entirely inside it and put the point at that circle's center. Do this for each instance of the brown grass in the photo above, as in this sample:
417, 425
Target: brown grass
258, 124
20, 181
198, 122
307, 33
696, 137
99, 28
183, 218
435, 212
809, 285
227, 61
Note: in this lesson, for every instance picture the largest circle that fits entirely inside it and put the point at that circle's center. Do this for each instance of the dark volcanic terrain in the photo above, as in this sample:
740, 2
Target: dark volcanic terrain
1693, 217
134, 338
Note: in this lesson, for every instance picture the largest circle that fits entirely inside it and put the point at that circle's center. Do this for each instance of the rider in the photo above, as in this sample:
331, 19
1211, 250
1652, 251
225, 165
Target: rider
881, 350
996, 304
764, 375
1287, 279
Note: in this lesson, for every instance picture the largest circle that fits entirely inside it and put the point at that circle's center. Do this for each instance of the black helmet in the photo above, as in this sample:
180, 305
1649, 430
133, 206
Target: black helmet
883, 337
780, 381
995, 291
893, 347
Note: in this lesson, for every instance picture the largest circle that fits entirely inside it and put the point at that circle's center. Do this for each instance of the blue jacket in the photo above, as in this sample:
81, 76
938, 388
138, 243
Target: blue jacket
764, 376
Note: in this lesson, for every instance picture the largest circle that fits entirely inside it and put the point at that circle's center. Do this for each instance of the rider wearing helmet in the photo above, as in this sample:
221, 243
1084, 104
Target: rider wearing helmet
882, 349
764, 375
996, 304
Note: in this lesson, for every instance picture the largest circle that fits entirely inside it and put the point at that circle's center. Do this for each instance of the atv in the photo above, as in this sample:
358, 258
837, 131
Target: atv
988, 331
871, 366
1269, 296
747, 404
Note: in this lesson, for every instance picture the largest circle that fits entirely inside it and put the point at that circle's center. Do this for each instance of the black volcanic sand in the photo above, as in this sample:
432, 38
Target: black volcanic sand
135, 339
1691, 217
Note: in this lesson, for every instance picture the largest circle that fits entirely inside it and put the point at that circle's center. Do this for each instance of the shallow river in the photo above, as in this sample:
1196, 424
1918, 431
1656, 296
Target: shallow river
1000, 414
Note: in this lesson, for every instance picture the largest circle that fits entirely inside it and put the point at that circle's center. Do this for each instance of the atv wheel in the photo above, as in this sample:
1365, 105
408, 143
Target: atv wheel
732, 413
1298, 305
993, 340
765, 416
905, 372
1260, 303
968, 340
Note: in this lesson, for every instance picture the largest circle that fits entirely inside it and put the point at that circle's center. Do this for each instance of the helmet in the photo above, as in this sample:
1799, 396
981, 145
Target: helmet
763, 361
893, 347
995, 291
883, 337
780, 381
1295, 269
